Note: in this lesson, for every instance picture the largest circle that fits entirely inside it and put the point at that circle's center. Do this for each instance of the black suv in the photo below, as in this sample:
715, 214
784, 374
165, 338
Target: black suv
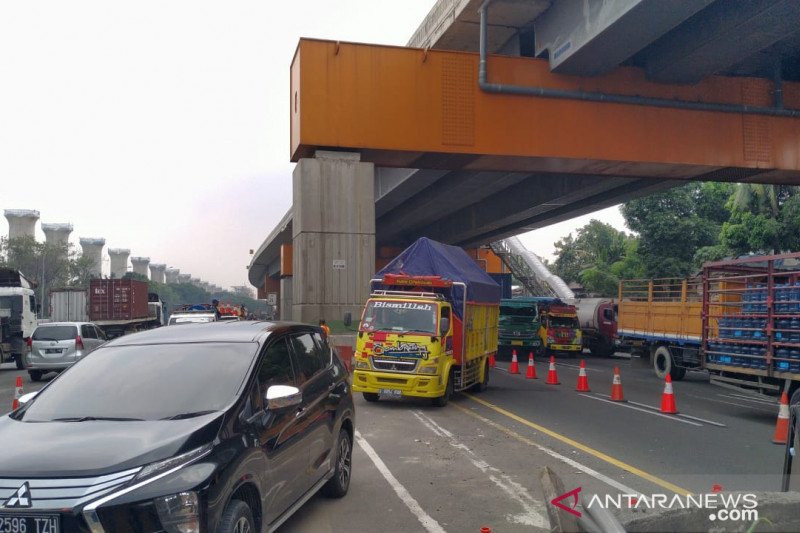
209, 427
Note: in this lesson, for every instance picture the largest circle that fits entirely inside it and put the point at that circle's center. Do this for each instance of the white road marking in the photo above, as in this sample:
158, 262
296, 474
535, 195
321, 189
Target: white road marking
624, 489
749, 399
430, 525
681, 415
532, 515
577, 367
648, 411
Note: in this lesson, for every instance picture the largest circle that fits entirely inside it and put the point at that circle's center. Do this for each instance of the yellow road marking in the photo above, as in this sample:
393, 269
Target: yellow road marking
575, 444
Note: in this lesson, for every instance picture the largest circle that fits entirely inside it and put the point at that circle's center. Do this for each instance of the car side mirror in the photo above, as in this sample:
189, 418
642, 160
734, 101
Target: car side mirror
283, 396
348, 319
444, 325
25, 398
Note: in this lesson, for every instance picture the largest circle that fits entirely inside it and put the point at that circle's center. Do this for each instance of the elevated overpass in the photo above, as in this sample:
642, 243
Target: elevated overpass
543, 112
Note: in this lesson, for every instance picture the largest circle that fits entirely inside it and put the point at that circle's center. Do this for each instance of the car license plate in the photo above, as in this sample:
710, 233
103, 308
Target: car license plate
13, 523
516, 343
52, 350
393, 393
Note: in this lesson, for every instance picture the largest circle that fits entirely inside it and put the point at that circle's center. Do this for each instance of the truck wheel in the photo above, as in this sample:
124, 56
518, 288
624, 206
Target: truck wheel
442, 400
20, 363
664, 364
36, 375
484, 383
370, 396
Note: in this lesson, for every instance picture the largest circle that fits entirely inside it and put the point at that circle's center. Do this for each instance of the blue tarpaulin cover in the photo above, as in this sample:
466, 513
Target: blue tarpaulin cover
426, 257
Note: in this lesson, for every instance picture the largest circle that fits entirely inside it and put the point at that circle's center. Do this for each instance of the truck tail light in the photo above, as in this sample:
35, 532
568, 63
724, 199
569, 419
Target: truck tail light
78, 343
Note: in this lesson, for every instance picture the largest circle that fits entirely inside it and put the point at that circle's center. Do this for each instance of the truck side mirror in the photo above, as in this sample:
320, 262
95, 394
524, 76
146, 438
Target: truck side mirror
348, 319
444, 325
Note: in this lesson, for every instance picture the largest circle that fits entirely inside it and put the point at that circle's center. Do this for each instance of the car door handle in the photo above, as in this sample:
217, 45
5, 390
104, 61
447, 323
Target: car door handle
300, 412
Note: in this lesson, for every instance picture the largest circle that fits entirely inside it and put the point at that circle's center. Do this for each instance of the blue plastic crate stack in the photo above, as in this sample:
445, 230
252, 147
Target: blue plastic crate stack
744, 336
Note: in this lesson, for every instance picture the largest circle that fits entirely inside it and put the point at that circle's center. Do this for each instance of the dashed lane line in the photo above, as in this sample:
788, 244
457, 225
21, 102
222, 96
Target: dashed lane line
430, 525
583, 447
641, 410
532, 515
656, 410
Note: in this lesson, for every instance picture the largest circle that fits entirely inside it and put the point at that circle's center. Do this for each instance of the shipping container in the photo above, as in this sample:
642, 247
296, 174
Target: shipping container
117, 299
68, 305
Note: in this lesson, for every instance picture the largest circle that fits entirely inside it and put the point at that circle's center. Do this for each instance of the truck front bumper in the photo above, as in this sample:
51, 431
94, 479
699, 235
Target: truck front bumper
566, 347
416, 385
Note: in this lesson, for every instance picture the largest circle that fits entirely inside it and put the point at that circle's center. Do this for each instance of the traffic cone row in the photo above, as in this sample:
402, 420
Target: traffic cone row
17, 394
514, 367
782, 425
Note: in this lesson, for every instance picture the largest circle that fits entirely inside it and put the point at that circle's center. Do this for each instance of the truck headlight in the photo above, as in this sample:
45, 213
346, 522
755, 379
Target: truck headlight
363, 365
428, 370
550, 340
179, 513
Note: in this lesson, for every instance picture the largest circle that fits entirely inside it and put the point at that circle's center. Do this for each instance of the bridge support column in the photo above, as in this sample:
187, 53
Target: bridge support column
333, 236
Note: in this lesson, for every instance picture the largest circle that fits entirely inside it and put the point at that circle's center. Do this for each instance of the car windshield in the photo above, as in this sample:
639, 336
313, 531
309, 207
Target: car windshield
563, 322
148, 382
55, 333
400, 316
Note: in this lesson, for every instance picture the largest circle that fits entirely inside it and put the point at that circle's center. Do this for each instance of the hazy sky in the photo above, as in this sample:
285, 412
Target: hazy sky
162, 126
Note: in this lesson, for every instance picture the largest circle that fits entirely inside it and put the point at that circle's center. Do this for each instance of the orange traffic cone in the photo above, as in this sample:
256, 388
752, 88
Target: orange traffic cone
530, 373
616, 387
486, 530
668, 398
514, 368
492, 362
552, 377
782, 426
583, 381
17, 394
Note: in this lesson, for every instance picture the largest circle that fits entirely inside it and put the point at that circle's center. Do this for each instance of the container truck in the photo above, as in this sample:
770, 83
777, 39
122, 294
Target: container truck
739, 320
117, 306
17, 315
428, 327
598, 322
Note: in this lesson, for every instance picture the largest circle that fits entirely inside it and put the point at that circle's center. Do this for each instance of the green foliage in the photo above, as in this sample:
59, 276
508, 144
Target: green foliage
674, 224
764, 219
596, 257
710, 253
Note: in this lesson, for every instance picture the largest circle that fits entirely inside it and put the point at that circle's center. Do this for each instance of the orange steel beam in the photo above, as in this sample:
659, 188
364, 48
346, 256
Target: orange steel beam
414, 108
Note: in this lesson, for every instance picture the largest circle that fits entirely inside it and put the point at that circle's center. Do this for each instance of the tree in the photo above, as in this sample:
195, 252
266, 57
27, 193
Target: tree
46, 264
764, 219
595, 257
675, 224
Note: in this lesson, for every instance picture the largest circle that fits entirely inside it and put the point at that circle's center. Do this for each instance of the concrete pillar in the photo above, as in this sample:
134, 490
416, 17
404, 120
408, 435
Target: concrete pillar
172, 275
184, 278
21, 222
93, 249
57, 234
140, 265
119, 261
157, 272
285, 299
333, 236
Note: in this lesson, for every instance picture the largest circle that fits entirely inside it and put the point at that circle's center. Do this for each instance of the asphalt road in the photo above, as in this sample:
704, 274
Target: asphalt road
476, 462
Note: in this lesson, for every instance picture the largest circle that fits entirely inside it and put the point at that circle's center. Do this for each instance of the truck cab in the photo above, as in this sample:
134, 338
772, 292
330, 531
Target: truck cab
560, 330
17, 315
519, 325
404, 346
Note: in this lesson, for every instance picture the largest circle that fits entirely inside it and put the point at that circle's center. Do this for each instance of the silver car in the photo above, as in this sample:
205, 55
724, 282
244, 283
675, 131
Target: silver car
56, 346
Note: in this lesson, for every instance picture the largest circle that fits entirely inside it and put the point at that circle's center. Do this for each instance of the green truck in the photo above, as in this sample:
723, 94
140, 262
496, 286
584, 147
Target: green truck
519, 326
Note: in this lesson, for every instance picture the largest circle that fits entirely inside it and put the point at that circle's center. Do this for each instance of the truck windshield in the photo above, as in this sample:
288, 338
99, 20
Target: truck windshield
563, 322
400, 316
517, 314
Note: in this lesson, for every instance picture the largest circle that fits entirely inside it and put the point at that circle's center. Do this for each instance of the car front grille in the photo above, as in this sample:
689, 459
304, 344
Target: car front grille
66, 492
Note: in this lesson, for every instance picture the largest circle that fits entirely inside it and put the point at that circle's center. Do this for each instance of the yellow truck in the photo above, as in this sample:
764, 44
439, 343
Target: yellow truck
428, 327
739, 320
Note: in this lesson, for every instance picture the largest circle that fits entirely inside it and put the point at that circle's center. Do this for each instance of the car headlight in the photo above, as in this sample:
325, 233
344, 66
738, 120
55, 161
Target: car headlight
179, 513
168, 464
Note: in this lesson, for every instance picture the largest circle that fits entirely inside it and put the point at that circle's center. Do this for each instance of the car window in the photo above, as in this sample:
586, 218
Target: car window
276, 367
608, 314
55, 333
308, 357
100, 334
323, 348
87, 332
140, 382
